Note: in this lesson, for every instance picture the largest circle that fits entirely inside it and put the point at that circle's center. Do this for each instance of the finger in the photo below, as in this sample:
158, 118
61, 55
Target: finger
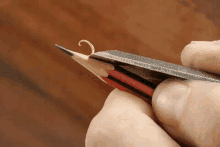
126, 121
202, 55
119, 98
189, 110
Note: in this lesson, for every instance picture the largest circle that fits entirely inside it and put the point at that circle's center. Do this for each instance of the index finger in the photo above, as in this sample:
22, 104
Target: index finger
202, 55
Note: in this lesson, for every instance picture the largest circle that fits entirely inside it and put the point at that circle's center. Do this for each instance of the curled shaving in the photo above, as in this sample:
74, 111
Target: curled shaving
89, 43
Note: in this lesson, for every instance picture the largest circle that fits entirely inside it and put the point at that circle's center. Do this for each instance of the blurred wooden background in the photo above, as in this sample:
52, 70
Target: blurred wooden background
47, 99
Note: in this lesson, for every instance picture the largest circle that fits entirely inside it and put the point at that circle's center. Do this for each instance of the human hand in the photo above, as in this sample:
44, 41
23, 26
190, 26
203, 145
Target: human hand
188, 111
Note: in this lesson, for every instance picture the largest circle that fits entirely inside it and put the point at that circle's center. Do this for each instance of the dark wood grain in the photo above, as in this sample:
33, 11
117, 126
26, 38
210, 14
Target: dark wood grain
47, 99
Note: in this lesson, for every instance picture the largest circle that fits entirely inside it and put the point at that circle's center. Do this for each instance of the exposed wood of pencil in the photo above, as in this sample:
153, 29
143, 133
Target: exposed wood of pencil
96, 67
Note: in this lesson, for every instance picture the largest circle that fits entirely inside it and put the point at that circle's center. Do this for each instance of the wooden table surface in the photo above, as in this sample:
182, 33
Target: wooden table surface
47, 99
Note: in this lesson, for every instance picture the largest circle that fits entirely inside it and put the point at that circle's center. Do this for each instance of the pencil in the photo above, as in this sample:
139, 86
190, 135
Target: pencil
132, 73
114, 75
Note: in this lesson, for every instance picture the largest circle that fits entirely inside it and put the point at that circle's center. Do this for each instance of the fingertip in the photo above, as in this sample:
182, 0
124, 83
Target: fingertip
168, 101
190, 51
160, 88
202, 55
184, 114
187, 54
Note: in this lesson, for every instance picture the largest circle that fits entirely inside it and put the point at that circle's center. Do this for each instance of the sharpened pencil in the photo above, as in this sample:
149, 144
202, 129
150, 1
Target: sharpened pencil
113, 75
132, 73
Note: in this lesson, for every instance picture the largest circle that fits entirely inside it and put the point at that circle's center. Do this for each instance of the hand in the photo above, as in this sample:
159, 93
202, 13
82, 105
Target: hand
188, 111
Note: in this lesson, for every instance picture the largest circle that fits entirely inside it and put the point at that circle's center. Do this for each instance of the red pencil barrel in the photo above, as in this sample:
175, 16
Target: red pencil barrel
136, 84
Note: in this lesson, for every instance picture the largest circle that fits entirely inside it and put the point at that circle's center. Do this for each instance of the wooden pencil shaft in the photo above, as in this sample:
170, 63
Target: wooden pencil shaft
122, 88
129, 87
114, 84
132, 82
135, 77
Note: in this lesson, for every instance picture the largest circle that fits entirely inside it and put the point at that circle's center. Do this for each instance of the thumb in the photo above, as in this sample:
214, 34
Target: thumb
189, 110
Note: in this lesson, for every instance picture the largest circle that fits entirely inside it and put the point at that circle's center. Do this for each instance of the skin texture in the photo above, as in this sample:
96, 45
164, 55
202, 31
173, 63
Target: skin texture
188, 111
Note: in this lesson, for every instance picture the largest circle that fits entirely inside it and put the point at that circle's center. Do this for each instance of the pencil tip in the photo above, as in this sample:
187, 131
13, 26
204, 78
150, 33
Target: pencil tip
68, 52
